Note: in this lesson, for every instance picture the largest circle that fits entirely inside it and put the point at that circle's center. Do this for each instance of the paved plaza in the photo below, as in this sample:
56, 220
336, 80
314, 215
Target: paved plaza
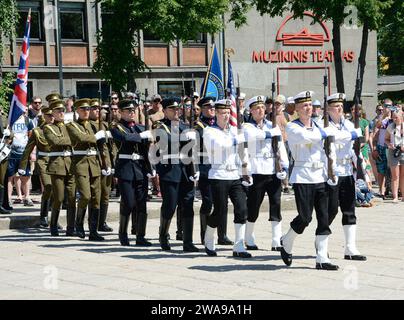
34, 265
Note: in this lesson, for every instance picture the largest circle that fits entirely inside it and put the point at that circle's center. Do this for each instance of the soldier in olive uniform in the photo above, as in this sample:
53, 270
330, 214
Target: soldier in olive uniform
37, 139
106, 154
59, 168
86, 169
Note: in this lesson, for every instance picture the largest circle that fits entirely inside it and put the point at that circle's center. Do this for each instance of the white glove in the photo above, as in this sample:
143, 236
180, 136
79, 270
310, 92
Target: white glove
275, 132
108, 134
21, 172
331, 183
112, 171
100, 135
152, 175
146, 135
6, 132
329, 131
106, 172
358, 132
246, 183
190, 135
240, 138
281, 175
195, 177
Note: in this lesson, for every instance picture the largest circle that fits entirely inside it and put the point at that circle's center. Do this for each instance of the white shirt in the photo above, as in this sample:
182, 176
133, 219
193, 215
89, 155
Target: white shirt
260, 150
306, 146
222, 153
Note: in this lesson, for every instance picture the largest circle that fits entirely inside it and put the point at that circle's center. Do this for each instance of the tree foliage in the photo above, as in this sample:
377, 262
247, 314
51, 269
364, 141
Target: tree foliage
8, 20
6, 90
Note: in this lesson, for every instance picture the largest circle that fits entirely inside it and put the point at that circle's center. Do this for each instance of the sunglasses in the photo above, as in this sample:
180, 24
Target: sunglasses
37, 102
114, 98
85, 108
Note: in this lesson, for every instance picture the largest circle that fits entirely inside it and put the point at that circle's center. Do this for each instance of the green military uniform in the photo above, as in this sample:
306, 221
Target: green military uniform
106, 180
87, 170
3, 168
37, 139
59, 168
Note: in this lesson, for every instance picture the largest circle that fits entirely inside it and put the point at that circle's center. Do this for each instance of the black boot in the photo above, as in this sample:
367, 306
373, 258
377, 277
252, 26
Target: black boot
102, 224
2, 209
43, 218
188, 224
163, 234
203, 218
54, 222
94, 215
141, 231
123, 230
179, 233
81, 212
70, 219
222, 232
134, 222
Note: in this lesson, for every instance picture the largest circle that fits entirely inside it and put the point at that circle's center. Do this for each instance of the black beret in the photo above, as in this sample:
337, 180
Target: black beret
207, 101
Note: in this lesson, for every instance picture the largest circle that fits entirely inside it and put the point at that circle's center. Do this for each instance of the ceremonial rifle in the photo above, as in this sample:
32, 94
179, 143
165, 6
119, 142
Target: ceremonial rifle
191, 122
147, 127
277, 139
360, 174
184, 118
328, 140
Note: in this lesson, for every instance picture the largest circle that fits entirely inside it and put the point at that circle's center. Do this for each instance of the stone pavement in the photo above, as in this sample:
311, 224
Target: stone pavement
35, 266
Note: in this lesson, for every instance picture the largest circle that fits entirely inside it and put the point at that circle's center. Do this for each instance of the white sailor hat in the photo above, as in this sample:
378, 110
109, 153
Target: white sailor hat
316, 103
290, 100
336, 97
303, 96
223, 104
255, 101
241, 96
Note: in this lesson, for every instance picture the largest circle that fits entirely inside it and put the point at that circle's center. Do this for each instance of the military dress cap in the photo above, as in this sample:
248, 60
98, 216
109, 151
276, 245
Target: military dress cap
241, 96
303, 96
170, 103
280, 99
56, 104
95, 102
223, 104
46, 110
53, 96
127, 104
82, 103
255, 101
207, 102
156, 97
316, 103
336, 97
290, 100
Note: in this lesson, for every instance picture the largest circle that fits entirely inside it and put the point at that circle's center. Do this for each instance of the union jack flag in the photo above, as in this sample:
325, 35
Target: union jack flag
231, 94
19, 101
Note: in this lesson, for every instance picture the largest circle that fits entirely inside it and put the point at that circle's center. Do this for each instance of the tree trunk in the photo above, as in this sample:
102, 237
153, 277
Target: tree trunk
362, 56
336, 41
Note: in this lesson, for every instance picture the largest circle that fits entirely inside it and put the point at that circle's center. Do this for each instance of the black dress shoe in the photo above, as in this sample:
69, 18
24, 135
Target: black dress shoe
326, 266
225, 242
165, 246
356, 257
133, 232
105, 228
43, 223
179, 237
276, 248
124, 240
80, 233
189, 247
286, 257
210, 253
241, 254
142, 242
54, 232
71, 233
95, 237
251, 247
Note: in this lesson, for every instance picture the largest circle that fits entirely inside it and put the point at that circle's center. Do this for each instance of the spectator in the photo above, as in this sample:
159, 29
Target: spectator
395, 143
372, 130
34, 111
114, 99
364, 194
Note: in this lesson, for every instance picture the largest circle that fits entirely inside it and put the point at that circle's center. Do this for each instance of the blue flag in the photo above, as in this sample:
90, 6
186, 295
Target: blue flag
213, 84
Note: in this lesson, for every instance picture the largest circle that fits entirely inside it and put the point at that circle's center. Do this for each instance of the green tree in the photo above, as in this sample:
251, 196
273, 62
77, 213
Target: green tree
6, 90
117, 59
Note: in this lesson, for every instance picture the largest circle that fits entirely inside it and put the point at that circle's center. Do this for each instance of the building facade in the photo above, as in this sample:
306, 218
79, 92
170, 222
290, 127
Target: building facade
296, 53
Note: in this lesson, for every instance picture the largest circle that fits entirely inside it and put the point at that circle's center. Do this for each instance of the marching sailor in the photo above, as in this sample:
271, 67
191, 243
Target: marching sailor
260, 134
309, 179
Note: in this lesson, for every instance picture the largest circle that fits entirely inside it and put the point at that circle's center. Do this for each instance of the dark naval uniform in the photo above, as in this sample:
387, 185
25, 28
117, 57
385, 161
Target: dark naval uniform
59, 168
131, 167
6, 137
37, 139
176, 186
87, 171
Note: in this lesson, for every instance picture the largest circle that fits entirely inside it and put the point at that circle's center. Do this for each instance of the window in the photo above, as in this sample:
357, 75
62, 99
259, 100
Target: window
171, 89
90, 89
149, 37
36, 20
72, 20
200, 38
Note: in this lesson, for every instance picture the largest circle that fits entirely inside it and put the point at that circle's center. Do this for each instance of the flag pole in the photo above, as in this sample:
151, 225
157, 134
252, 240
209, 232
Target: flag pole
207, 73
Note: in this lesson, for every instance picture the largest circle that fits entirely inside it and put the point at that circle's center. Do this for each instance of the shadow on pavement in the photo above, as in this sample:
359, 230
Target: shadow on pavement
246, 267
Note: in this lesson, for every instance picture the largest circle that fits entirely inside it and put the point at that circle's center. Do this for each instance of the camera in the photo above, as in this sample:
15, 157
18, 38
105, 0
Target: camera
397, 152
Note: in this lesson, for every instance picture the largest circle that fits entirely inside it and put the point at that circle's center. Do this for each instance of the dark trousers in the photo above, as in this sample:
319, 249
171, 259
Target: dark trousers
272, 186
206, 193
221, 191
309, 196
343, 196
133, 196
174, 194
